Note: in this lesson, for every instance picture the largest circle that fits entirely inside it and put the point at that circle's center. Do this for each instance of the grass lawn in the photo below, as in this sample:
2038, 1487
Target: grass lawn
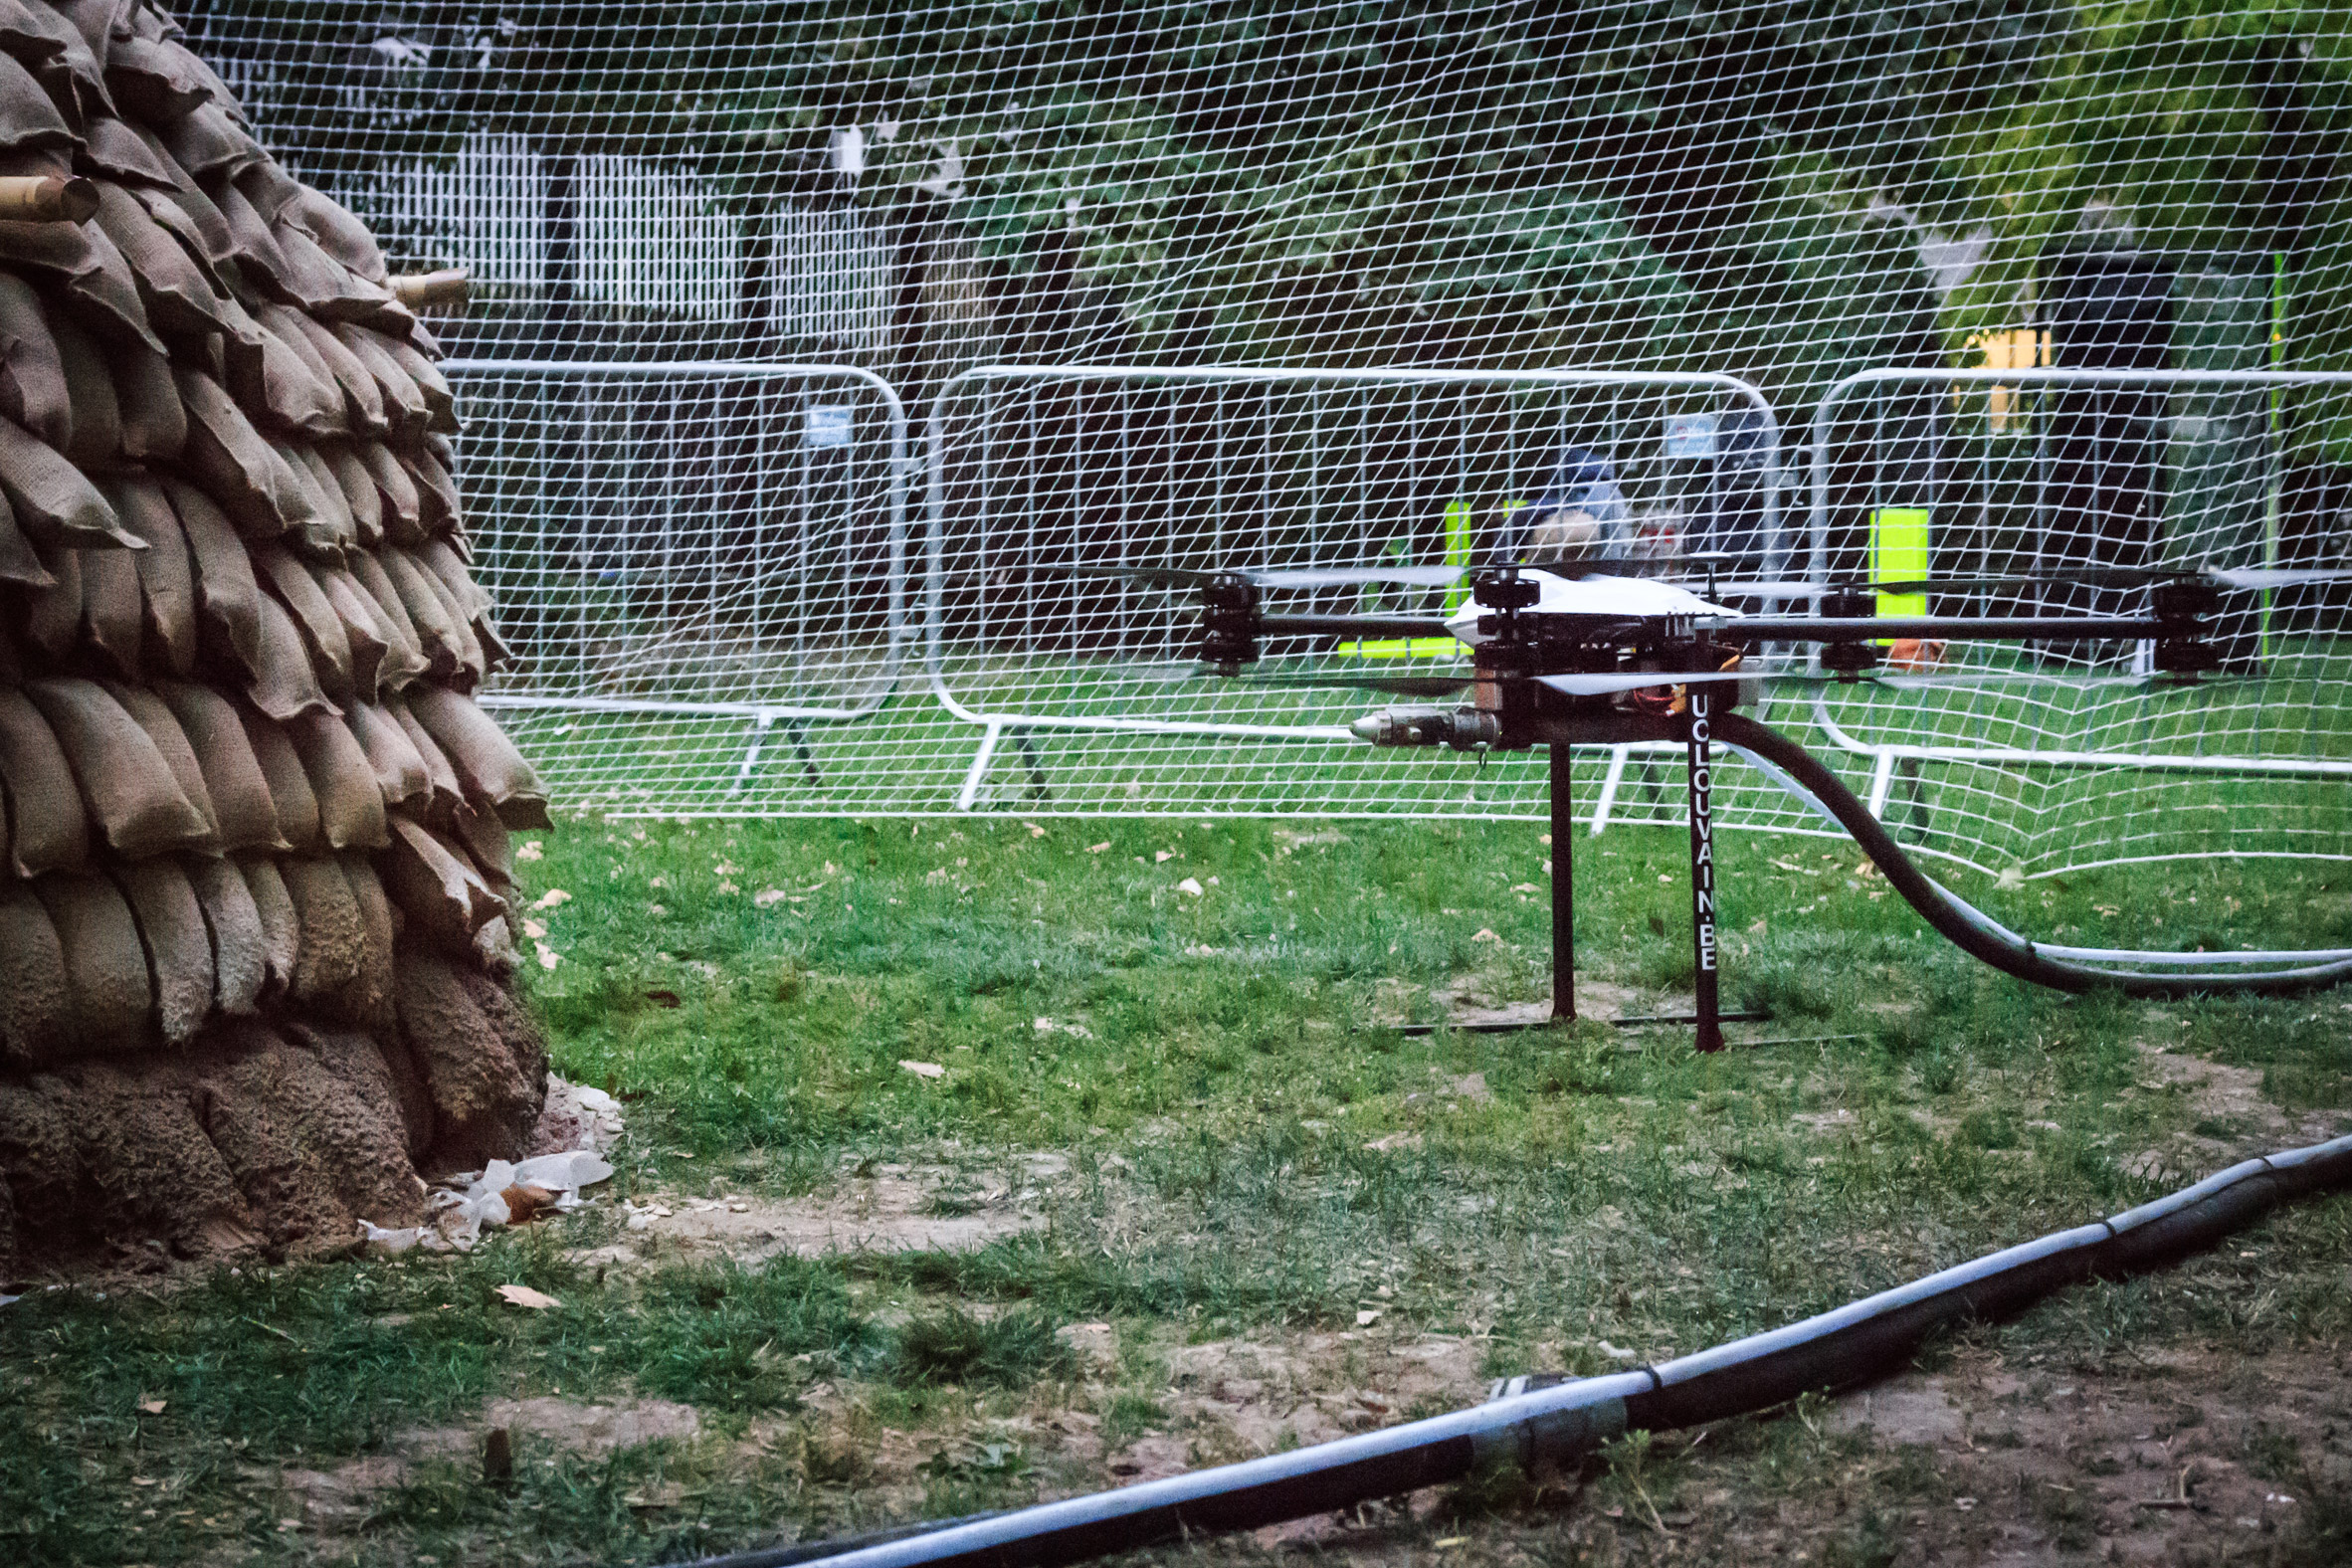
976, 1162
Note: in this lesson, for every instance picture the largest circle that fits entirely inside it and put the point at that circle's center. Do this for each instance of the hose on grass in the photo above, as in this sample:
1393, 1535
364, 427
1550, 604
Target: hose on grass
1536, 1423
1980, 936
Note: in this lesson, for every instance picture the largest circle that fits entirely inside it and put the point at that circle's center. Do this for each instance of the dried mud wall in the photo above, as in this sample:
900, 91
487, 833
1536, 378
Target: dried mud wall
254, 864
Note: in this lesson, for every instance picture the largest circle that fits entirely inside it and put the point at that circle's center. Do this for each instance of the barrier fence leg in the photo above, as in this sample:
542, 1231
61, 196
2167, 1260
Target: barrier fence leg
751, 763
979, 771
1563, 886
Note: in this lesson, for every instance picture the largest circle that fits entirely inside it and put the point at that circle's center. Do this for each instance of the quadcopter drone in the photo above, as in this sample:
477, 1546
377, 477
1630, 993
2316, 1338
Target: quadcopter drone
1575, 652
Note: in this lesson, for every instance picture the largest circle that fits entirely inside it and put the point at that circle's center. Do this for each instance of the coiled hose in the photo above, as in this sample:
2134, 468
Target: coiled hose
1538, 1422
1980, 936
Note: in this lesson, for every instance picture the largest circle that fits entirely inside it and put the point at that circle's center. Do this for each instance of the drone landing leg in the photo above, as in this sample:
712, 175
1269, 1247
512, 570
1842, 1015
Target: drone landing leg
1702, 871
1563, 886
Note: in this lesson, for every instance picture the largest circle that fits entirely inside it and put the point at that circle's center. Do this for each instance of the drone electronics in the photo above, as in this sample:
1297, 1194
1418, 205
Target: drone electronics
1575, 653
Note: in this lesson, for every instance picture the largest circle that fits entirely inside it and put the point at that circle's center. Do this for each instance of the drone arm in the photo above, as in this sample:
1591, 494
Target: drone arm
1350, 626
1938, 628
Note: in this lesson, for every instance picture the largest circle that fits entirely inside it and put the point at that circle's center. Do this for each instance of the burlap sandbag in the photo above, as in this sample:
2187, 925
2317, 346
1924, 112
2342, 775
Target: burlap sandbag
152, 715
95, 20
150, 1162
404, 401
259, 259
228, 459
489, 844
195, 65
338, 232
396, 487
112, 622
368, 1000
337, 529
179, 947
228, 599
170, 210
32, 377
440, 557
401, 775
324, 286
288, 682
441, 401
19, 563
56, 254
214, 240
428, 614
172, 287
363, 400
48, 829
95, 441
166, 574
106, 298
39, 1161
239, 948
314, 617
112, 151
269, 188
282, 929
36, 1006
295, 398
52, 623
208, 143
449, 795
312, 1155
489, 767
482, 1109
363, 630
154, 421
233, 779
300, 504
53, 501
418, 583
286, 324
351, 804
438, 501
333, 947
359, 491
129, 789
368, 572
291, 795
28, 116
444, 898
111, 1000
32, 31
151, 82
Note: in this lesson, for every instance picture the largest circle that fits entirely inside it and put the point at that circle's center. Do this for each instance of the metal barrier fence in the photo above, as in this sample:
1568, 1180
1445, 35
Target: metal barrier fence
2000, 477
1039, 468
692, 554
719, 540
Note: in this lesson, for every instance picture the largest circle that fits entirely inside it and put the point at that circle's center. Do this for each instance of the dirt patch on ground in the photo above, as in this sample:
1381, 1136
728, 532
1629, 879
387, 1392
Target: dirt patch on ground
2189, 1456
882, 1209
342, 1497
2230, 1117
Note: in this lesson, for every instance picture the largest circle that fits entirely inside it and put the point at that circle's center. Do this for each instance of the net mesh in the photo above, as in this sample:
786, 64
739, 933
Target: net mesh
729, 597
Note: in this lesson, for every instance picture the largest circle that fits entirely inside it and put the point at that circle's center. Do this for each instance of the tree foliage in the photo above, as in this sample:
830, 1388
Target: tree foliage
1605, 182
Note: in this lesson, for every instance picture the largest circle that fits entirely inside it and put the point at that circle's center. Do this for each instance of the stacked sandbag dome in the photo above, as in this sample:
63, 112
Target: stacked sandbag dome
254, 860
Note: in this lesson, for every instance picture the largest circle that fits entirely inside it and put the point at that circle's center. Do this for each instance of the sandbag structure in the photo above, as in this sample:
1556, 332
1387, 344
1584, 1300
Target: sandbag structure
255, 867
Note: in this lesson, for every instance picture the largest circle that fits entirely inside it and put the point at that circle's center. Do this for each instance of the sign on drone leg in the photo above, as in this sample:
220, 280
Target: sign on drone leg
1702, 871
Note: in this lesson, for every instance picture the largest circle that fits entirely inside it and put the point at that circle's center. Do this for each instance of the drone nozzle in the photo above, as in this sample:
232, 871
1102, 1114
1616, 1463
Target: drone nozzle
1462, 728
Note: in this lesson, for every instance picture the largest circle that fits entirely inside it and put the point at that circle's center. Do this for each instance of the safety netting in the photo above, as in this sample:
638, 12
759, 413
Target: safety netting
1760, 294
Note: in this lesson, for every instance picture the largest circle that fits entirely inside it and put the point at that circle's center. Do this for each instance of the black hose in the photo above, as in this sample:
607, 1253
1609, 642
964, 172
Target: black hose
1534, 1423
1963, 928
